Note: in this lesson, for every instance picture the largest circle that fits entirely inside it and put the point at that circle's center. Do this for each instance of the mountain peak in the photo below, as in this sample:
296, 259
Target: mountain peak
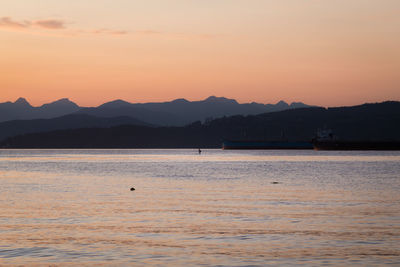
298, 105
282, 103
61, 103
115, 104
63, 100
214, 99
180, 100
22, 101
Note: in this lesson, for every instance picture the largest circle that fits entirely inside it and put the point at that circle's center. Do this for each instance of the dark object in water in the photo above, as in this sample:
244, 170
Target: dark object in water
356, 145
326, 140
275, 183
132, 189
266, 145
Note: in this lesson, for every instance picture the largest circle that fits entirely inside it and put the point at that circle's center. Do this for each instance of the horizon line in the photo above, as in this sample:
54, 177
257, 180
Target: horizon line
197, 100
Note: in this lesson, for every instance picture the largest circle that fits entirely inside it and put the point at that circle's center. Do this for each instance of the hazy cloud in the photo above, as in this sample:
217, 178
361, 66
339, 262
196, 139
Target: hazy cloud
60, 25
108, 31
149, 32
7, 22
52, 24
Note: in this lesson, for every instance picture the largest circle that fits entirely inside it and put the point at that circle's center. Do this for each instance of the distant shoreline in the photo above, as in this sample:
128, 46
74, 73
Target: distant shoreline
369, 126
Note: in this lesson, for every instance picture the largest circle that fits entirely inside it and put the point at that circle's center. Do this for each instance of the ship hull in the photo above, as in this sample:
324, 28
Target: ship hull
350, 145
266, 145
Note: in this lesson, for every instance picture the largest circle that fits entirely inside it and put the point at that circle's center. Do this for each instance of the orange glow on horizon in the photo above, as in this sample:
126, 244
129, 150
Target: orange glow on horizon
317, 53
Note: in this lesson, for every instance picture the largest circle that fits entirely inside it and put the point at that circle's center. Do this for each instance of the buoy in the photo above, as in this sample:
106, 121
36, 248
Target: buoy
132, 189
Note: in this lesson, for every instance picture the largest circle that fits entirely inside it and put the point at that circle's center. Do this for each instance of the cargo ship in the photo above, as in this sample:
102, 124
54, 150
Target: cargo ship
326, 140
266, 145
356, 145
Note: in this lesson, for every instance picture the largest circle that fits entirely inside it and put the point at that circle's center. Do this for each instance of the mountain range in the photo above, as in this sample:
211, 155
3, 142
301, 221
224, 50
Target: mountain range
367, 122
22, 110
178, 112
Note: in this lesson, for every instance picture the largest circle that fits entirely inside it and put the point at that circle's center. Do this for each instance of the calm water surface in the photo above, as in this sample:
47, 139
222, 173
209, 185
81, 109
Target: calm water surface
225, 208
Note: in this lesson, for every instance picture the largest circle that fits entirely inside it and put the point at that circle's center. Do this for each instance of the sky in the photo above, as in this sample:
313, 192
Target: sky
321, 52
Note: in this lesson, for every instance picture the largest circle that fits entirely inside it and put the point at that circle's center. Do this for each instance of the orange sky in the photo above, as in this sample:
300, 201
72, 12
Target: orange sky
328, 53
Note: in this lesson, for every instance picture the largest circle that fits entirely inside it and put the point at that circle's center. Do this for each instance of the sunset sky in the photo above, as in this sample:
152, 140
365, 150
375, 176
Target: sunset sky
322, 52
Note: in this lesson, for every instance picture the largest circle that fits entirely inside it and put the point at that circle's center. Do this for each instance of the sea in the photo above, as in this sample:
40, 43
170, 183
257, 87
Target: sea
217, 208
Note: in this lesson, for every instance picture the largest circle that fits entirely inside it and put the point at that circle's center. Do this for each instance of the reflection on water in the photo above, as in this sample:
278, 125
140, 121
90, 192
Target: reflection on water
61, 207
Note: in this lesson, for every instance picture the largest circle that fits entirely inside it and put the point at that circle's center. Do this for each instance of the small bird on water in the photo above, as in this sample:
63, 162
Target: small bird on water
132, 189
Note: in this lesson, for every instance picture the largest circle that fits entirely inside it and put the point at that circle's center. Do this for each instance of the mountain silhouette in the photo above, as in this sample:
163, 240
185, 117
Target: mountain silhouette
60, 107
72, 121
22, 110
180, 112
21, 102
368, 122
